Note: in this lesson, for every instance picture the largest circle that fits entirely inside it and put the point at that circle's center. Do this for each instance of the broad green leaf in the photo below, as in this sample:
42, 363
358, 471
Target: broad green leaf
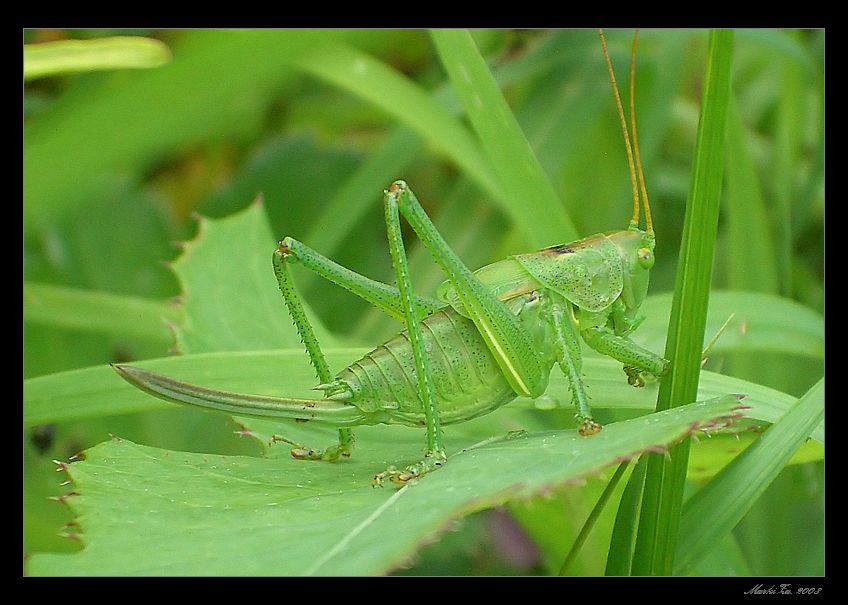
760, 323
260, 516
717, 507
231, 298
321, 195
71, 56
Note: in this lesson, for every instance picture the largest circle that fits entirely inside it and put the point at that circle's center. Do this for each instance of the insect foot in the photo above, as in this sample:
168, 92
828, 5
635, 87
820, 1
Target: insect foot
589, 427
634, 376
284, 248
302, 452
431, 461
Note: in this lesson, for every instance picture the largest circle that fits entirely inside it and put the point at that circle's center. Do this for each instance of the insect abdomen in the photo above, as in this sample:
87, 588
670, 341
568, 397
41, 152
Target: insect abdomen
467, 381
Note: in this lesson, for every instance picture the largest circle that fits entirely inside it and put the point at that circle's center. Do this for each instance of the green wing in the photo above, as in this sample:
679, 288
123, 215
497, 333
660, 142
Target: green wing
589, 273
506, 279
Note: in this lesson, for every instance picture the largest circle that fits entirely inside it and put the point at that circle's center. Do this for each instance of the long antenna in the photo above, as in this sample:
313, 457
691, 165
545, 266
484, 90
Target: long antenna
649, 224
634, 222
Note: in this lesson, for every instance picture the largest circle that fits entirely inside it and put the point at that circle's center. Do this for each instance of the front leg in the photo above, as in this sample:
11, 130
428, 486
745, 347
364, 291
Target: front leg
623, 322
637, 360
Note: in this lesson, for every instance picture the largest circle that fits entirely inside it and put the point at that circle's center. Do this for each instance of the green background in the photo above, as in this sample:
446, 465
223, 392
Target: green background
119, 163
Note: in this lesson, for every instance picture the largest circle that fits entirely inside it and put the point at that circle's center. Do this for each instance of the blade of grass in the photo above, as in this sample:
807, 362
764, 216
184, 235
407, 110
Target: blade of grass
662, 499
71, 56
527, 189
716, 508
620, 558
749, 253
593, 517
790, 121
101, 312
361, 74
727, 559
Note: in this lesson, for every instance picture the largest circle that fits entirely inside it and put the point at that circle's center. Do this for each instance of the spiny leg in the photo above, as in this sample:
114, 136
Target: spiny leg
637, 360
570, 360
505, 337
316, 356
434, 453
623, 323
383, 296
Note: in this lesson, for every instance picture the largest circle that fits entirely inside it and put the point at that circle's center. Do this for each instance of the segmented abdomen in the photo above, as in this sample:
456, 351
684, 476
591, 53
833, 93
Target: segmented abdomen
466, 380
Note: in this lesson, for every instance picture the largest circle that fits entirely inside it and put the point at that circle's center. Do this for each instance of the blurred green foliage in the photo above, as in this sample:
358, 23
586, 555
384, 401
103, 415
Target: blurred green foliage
117, 164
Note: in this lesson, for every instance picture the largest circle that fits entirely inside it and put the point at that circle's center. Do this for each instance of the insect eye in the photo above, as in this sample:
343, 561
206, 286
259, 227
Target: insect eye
646, 257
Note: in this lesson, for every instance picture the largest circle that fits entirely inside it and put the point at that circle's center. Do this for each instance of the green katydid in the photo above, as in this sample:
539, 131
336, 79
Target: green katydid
491, 336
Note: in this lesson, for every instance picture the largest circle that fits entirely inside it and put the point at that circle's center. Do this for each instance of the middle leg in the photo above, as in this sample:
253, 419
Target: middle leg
566, 343
434, 452
637, 360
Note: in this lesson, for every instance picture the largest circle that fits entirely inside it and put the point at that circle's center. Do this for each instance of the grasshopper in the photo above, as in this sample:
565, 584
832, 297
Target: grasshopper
490, 335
